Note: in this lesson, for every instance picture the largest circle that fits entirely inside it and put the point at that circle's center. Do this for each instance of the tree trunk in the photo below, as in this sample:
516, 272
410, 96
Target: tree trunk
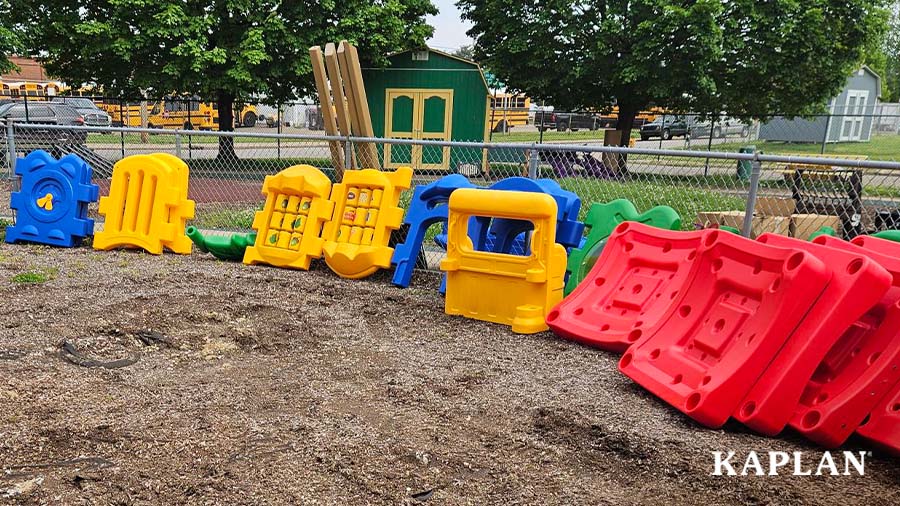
225, 103
627, 114
626, 123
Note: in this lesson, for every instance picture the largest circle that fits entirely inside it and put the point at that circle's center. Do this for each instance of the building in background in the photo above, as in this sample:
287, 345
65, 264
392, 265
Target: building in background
429, 95
30, 80
850, 118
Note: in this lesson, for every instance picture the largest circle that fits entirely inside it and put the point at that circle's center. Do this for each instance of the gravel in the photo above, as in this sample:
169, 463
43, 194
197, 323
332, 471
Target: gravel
257, 385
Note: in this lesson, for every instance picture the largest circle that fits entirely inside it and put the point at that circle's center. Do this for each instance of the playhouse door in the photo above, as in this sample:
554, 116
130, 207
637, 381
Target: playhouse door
418, 114
435, 126
399, 124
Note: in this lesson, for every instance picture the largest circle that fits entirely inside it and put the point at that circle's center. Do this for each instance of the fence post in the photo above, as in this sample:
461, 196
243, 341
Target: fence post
712, 128
124, 124
278, 120
755, 170
348, 155
11, 148
178, 143
533, 162
827, 131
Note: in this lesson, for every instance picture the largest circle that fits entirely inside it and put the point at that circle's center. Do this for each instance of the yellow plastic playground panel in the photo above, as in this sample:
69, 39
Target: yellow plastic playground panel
508, 289
289, 225
365, 211
147, 206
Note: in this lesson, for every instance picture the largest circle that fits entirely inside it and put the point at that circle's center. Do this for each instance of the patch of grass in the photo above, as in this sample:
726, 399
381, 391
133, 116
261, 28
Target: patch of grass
227, 219
686, 200
35, 276
252, 169
881, 147
167, 136
554, 136
3, 224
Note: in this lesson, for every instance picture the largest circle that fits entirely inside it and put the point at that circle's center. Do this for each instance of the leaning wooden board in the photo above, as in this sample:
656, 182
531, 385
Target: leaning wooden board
351, 75
318, 67
340, 100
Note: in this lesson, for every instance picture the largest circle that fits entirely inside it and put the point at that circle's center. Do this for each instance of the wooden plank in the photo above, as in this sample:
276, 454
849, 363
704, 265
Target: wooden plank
337, 91
351, 74
318, 67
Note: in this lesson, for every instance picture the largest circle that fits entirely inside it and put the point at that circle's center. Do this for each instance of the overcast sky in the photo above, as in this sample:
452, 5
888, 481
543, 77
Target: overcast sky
449, 30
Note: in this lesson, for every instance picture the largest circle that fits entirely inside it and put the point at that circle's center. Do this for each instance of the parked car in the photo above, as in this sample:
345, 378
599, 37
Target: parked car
720, 129
575, 121
665, 127
44, 113
93, 115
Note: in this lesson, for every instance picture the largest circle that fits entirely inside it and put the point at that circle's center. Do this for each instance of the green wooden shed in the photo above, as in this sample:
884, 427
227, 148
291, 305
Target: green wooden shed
431, 95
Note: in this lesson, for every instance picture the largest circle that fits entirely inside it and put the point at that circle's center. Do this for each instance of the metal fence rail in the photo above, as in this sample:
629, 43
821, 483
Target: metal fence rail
853, 195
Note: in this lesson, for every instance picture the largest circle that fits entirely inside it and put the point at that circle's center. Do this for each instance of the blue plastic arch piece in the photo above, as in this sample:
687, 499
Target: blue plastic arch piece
52, 205
508, 236
427, 207
502, 235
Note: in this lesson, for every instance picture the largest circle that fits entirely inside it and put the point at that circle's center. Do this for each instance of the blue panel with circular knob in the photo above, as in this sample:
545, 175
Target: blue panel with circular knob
52, 204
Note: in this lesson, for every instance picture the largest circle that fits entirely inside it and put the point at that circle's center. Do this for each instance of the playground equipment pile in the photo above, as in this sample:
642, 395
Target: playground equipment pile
772, 332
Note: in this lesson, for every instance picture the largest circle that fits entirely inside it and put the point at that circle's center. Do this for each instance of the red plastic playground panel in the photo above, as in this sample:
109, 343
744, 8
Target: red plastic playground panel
856, 284
743, 302
864, 362
883, 425
632, 285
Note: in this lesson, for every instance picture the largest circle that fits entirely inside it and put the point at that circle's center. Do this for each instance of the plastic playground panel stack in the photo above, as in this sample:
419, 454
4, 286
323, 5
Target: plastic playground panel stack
366, 210
52, 204
289, 224
516, 290
147, 205
772, 332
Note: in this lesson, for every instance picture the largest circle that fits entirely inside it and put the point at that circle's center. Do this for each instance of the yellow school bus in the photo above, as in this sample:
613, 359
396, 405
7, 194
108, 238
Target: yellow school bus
174, 112
15, 89
508, 111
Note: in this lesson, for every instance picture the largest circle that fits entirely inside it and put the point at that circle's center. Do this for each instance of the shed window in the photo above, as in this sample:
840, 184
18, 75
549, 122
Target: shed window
420, 55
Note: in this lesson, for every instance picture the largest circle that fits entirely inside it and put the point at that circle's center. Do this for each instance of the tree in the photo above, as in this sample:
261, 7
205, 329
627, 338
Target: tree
740, 56
890, 57
223, 50
9, 41
467, 52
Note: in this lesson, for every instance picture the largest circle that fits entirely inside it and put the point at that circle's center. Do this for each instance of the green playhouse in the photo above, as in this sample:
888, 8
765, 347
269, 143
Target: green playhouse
429, 95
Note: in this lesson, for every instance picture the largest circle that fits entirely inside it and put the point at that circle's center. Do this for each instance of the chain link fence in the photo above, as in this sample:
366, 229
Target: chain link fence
791, 195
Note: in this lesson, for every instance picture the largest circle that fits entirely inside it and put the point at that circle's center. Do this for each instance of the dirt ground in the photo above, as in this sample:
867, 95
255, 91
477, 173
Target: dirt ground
257, 385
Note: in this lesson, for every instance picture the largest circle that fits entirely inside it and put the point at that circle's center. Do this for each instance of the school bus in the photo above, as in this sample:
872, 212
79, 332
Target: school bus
612, 119
29, 89
175, 112
507, 111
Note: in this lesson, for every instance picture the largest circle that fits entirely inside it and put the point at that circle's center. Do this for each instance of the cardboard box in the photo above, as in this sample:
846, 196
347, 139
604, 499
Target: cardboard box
774, 206
803, 225
759, 225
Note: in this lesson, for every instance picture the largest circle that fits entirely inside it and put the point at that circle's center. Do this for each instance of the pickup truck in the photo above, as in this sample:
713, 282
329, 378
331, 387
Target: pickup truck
562, 121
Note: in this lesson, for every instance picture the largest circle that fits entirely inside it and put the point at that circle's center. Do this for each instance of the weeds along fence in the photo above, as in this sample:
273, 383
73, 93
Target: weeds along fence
851, 195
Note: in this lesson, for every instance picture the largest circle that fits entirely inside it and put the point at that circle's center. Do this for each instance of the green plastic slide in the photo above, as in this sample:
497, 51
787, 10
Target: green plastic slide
601, 220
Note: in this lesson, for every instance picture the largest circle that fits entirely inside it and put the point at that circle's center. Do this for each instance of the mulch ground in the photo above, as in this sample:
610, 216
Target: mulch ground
255, 385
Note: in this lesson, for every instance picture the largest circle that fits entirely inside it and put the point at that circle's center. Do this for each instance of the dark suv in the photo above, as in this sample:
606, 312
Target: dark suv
666, 128
44, 113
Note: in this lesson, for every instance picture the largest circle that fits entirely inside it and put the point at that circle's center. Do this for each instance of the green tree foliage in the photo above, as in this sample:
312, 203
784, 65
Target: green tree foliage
888, 56
222, 50
9, 41
745, 57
